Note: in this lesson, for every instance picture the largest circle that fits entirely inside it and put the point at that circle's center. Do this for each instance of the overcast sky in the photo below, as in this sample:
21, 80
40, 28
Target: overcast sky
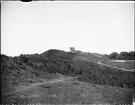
35, 27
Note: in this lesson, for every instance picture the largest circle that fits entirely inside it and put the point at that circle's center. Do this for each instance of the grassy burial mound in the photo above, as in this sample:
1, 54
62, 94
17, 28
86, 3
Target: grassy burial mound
90, 72
35, 67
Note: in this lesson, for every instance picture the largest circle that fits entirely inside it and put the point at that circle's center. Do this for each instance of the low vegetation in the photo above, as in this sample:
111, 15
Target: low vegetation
68, 92
37, 65
123, 55
28, 69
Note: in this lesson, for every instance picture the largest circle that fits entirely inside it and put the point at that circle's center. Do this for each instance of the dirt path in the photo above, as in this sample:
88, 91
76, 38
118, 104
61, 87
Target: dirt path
115, 67
23, 88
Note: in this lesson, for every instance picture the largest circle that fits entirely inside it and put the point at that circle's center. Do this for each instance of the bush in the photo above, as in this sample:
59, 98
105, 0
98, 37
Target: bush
123, 55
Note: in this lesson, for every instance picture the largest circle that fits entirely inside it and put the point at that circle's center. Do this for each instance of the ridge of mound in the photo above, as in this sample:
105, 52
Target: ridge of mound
87, 57
54, 53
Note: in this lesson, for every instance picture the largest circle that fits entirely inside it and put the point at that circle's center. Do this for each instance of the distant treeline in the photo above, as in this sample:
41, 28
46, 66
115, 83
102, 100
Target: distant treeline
122, 56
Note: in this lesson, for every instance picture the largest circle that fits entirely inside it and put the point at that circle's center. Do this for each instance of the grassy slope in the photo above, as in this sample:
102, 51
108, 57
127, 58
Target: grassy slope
98, 55
14, 72
67, 92
87, 57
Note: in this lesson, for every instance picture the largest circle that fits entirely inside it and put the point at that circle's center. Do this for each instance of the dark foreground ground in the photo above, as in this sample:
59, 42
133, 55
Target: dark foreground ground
67, 90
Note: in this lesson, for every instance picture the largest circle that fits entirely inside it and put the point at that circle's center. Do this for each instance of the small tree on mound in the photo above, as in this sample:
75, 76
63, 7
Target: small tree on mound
113, 55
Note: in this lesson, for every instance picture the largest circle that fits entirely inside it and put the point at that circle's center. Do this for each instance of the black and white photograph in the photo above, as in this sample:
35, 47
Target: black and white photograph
62, 52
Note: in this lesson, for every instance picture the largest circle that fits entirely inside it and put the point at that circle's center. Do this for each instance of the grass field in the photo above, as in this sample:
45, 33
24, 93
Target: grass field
129, 64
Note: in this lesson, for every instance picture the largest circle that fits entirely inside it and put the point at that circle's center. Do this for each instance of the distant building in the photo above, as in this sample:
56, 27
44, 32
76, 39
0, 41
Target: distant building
72, 49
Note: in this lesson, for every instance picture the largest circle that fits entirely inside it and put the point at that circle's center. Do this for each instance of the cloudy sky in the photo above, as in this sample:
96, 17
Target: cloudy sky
35, 27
